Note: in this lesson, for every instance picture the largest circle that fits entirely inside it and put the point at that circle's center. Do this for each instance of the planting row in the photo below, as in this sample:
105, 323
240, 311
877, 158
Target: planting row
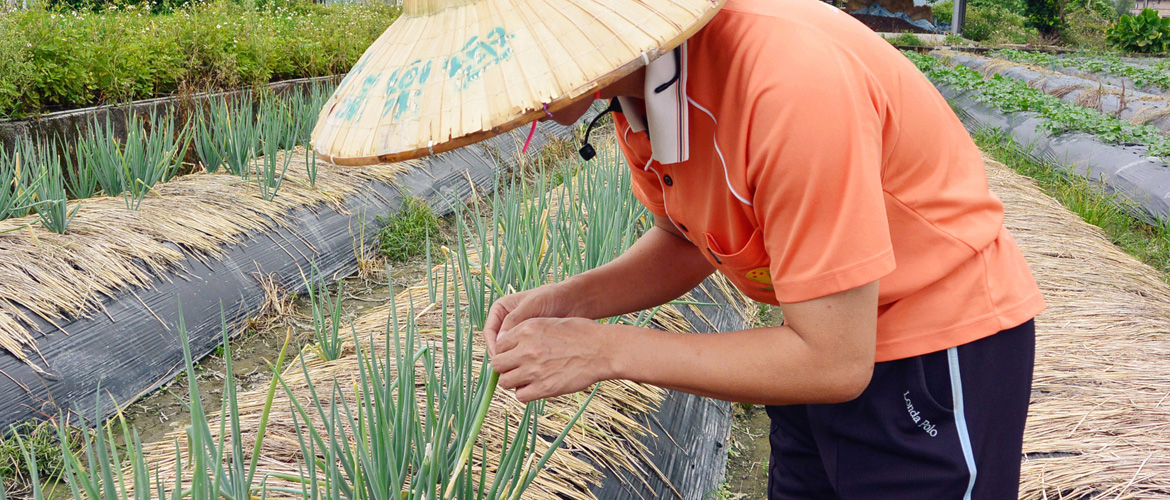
1145, 74
1123, 102
1010, 95
52, 60
394, 405
252, 140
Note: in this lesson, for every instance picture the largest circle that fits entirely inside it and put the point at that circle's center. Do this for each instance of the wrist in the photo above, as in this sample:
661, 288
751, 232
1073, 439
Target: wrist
612, 360
574, 303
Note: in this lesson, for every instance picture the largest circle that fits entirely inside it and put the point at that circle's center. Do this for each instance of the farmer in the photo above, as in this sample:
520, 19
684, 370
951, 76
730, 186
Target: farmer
784, 145
790, 148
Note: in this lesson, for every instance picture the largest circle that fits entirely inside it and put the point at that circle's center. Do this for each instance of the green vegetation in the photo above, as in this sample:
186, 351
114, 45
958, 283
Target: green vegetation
130, 167
1148, 243
326, 314
1078, 23
41, 441
1146, 32
991, 21
51, 206
1010, 95
1154, 75
407, 233
906, 39
58, 59
1046, 16
252, 140
393, 437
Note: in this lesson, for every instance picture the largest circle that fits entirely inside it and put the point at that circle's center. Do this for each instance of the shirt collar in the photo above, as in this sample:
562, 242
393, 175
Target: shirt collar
666, 111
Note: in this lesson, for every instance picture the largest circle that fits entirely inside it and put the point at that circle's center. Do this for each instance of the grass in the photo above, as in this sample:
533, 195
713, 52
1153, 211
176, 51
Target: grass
42, 441
1147, 242
406, 233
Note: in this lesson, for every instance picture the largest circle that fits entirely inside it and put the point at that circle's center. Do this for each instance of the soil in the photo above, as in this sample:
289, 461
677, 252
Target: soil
747, 460
748, 449
165, 410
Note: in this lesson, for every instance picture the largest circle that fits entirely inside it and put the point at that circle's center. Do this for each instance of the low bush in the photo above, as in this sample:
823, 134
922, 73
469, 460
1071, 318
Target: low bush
52, 60
996, 24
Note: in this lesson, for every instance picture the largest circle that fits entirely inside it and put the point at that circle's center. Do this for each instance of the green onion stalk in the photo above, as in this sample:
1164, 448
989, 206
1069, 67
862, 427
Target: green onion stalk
480, 416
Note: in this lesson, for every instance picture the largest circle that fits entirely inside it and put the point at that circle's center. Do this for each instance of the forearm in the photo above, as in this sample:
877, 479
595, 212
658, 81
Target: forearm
658, 268
772, 365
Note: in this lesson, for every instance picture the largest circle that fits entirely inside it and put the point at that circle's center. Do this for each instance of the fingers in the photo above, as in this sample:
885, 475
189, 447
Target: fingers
491, 326
526, 309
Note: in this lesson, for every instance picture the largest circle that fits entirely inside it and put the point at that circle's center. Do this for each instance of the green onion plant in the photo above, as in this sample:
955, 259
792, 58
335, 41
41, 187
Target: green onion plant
326, 314
131, 168
100, 154
277, 132
80, 179
52, 204
152, 157
211, 144
410, 427
235, 122
18, 185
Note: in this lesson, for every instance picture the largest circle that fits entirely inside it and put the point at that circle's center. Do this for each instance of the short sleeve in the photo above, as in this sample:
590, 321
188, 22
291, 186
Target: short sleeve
645, 183
815, 172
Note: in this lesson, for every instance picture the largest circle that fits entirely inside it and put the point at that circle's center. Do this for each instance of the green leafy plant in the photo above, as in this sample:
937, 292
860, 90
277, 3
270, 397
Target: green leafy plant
1155, 75
41, 441
99, 153
1145, 32
241, 135
404, 234
80, 178
995, 23
211, 143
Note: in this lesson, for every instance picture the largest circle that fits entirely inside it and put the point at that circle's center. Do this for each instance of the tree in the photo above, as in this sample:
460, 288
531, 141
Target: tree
1047, 16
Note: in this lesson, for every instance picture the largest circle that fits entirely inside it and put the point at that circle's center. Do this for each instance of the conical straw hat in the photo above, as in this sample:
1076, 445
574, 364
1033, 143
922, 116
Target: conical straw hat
449, 73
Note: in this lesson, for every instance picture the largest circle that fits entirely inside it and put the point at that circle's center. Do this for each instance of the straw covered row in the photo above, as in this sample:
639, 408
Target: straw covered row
110, 249
1099, 424
606, 434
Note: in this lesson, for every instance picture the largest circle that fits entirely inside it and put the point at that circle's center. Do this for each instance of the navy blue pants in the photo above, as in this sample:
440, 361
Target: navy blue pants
944, 425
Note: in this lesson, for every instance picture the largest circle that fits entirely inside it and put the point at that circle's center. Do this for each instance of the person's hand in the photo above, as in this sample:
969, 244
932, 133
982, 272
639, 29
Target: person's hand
511, 310
547, 357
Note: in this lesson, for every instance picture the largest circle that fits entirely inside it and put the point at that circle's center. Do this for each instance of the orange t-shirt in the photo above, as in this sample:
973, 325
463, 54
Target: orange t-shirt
820, 160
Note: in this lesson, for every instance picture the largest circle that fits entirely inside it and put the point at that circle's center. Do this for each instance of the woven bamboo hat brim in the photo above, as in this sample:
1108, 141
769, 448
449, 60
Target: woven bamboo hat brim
449, 73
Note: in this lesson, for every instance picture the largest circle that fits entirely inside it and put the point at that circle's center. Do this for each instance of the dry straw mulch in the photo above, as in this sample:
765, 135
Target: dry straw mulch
1099, 424
606, 434
108, 248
